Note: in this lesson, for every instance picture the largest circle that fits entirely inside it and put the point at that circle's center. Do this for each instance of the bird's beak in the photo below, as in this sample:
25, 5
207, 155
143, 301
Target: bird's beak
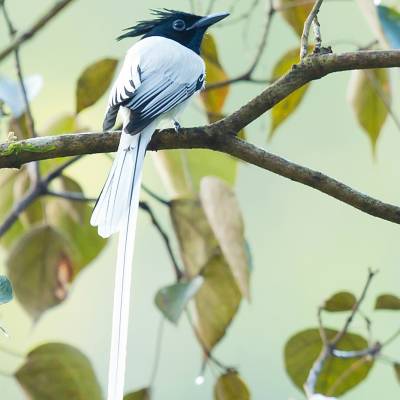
209, 20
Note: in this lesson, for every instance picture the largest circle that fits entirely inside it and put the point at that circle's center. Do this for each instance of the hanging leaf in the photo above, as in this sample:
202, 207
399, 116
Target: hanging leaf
390, 21
7, 181
143, 394
396, 367
387, 302
225, 218
72, 219
286, 107
217, 301
40, 267
181, 170
219, 297
172, 300
342, 301
94, 82
196, 239
6, 291
213, 100
34, 213
58, 371
295, 12
231, 386
370, 97
338, 375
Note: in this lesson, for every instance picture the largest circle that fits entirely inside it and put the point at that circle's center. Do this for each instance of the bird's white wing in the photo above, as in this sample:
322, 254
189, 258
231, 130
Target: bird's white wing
158, 74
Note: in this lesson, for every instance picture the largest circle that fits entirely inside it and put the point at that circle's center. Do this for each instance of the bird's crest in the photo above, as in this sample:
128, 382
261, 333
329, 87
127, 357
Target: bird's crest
144, 27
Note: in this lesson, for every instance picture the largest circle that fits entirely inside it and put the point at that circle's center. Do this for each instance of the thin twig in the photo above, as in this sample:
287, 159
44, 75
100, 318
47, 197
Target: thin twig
307, 26
248, 75
155, 196
391, 338
329, 347
339, 336
178, 273
28, 112
36, 27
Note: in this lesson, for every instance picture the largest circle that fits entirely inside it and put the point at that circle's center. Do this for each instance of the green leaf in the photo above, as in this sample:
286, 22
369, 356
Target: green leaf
6, 291
387, 302
342, 301
181, 170
396, 367
286, 107
58, 371
72, 219
213, 100
94, 82
217, 301
172, 300
370, 97
40, 267
34, 213
231, 386
338, 375
295, 12
7, 181
143, 394
225, 218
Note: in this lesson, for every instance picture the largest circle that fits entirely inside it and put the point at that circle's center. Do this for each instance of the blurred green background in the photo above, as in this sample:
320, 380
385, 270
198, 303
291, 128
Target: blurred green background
305, 245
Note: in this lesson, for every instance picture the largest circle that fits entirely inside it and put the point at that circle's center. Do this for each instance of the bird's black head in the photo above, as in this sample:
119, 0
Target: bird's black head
186, 29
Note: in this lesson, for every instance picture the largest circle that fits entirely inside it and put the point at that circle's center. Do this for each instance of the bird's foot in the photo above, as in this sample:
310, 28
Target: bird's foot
177, 126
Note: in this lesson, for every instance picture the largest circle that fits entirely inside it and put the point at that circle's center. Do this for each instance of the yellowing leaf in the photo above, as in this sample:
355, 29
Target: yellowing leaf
387, 302
182, 170
196, 239
172, 300
94, 82
231, 386
58, 371
217, 301
213, 100
342, 301
370, 97
39, 265
338, 375
295, 12
396, 367
281, 111
143, 394
225, 218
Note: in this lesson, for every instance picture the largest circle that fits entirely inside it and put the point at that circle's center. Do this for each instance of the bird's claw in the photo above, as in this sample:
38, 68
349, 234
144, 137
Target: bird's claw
177, 126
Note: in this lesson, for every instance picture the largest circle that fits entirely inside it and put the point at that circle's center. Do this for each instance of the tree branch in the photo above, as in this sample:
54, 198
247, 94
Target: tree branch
37, 26
220, 135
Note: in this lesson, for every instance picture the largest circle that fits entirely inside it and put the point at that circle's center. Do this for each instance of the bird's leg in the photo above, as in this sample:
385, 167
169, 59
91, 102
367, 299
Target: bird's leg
177, 126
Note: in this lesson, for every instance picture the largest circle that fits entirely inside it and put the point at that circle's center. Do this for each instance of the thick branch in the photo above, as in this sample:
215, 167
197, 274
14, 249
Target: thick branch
220, 135
20, 39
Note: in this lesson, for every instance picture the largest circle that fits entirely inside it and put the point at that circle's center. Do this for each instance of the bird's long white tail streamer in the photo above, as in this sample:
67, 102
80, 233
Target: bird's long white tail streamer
115, 210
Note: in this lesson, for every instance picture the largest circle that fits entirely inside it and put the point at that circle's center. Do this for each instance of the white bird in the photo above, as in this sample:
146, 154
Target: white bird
160, 74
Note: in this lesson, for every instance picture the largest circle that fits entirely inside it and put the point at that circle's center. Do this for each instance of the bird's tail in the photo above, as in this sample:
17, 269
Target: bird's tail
116, 210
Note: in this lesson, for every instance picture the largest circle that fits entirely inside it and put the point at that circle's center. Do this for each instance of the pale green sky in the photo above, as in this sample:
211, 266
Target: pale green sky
305, 245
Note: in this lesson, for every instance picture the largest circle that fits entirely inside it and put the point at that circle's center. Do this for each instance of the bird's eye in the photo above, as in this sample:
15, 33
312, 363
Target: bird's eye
179, 25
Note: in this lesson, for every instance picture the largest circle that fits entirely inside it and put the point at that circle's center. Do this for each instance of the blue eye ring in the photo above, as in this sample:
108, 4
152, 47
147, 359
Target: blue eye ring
179, 25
